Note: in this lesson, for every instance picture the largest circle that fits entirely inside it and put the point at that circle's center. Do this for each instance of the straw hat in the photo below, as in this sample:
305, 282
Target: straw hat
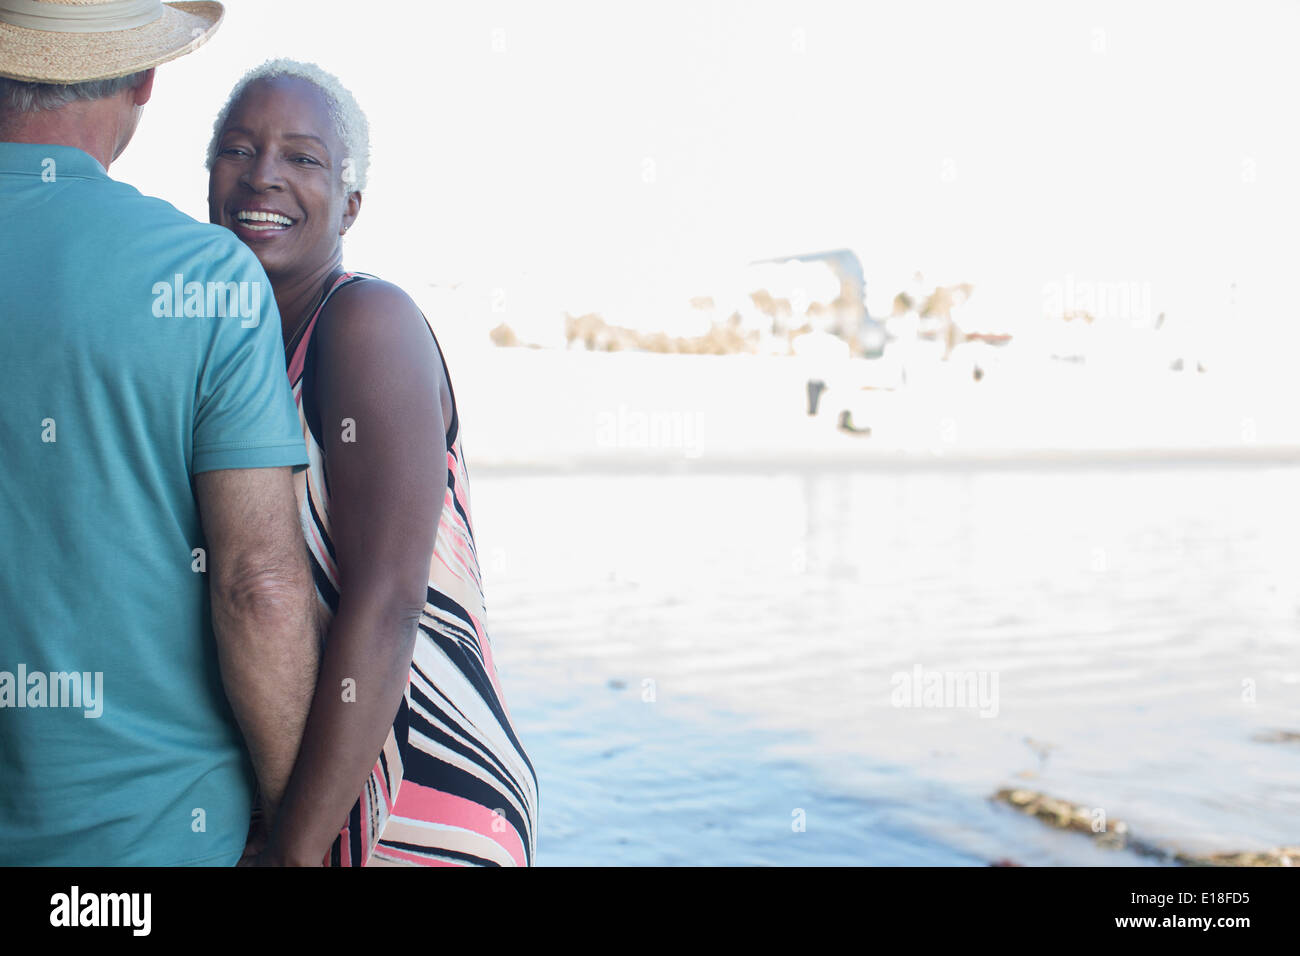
74, 41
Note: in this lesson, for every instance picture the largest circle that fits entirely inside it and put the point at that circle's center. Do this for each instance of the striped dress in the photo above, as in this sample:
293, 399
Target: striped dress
452, 785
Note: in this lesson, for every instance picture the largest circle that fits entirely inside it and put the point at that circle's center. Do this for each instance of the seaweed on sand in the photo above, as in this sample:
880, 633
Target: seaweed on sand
1115, 834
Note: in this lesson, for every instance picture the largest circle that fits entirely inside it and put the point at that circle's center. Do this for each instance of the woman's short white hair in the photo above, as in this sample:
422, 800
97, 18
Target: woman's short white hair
349, 120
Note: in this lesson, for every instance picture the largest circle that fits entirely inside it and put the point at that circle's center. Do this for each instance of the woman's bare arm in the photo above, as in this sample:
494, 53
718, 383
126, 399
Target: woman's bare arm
378, 387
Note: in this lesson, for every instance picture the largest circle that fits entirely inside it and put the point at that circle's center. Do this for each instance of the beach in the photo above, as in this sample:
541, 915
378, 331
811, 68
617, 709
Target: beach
702, 642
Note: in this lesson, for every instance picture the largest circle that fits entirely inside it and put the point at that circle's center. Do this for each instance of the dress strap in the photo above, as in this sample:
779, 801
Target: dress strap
298, 362
300, 350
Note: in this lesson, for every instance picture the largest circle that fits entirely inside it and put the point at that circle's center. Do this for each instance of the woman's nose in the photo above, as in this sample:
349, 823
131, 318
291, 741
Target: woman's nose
261, 174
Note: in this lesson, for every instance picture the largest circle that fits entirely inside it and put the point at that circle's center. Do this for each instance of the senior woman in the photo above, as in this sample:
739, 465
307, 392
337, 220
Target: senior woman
408, 756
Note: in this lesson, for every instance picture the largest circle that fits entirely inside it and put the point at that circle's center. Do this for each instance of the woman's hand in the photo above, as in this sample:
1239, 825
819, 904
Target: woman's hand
262, 850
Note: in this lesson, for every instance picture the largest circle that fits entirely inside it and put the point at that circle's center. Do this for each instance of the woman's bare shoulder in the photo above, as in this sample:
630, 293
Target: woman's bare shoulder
373, 302
375, 323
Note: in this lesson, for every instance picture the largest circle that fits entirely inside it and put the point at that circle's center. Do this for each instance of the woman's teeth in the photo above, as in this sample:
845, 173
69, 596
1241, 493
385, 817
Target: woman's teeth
262, 221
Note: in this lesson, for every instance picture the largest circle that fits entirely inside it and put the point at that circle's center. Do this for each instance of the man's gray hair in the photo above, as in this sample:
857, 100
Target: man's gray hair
18, 97
349, 121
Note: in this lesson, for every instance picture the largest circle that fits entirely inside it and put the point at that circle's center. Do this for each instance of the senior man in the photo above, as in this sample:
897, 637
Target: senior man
156, 653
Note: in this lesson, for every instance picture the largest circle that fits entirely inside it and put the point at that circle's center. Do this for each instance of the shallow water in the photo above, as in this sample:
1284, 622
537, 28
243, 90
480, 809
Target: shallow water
699, 662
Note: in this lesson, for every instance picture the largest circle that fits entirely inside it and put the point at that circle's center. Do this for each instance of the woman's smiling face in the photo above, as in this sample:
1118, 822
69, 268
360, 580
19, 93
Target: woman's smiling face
277, 180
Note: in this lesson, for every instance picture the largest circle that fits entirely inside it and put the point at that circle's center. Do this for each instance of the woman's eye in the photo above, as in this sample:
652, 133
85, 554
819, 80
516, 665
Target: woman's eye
306, 159
232, 151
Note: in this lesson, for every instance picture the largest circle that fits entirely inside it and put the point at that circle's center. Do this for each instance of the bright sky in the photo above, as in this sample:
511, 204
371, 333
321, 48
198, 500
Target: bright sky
598, 152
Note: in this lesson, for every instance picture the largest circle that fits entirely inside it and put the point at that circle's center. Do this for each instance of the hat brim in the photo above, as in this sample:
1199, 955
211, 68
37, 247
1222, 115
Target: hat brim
36, 56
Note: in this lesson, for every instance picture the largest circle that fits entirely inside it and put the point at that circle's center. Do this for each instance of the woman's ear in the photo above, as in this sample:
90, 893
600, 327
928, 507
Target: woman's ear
351, 206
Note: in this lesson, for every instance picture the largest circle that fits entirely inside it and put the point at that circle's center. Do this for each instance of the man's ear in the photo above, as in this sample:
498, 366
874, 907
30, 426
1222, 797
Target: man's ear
351, 206
141, 94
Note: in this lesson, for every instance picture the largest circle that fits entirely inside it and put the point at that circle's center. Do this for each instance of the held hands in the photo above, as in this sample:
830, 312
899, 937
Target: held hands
259, 850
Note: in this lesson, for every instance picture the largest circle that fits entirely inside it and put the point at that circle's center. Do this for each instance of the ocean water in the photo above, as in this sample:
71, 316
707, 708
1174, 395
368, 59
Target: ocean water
706, 668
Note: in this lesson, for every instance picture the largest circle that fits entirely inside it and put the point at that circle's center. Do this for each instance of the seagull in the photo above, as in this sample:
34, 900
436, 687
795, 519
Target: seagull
1041, 748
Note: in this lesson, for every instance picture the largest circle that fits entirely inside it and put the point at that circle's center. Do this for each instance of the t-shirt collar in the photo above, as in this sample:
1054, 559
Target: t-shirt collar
33, 158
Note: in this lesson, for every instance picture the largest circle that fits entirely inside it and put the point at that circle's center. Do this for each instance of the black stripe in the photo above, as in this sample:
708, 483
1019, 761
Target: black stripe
402, 720
323, 586
320, 526
354, 833
470, 665
439, 851
458, 631
308, 376
443, 602
492, 765
401, 728
455, 504
453, 429
370, 800
475, 674
469, 530
451, 703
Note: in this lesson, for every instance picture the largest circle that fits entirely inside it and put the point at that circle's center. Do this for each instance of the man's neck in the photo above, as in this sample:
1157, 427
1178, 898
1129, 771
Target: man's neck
79, 125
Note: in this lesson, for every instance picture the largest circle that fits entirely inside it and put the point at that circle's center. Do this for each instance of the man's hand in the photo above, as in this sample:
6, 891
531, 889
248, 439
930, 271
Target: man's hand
257, 838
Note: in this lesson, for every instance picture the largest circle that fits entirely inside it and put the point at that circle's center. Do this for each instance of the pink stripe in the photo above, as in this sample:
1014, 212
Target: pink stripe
434, 806
365, 823
300, 353
489, 665
462, 559
443, 561
461, 497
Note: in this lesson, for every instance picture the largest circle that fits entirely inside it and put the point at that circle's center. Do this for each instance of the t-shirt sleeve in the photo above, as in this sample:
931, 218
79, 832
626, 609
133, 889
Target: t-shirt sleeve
245, 416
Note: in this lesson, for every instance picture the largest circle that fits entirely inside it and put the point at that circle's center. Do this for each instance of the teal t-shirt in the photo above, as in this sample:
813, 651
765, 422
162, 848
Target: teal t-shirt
137, 348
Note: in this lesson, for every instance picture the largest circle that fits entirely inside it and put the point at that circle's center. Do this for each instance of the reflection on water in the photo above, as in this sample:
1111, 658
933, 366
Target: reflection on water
697, 662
